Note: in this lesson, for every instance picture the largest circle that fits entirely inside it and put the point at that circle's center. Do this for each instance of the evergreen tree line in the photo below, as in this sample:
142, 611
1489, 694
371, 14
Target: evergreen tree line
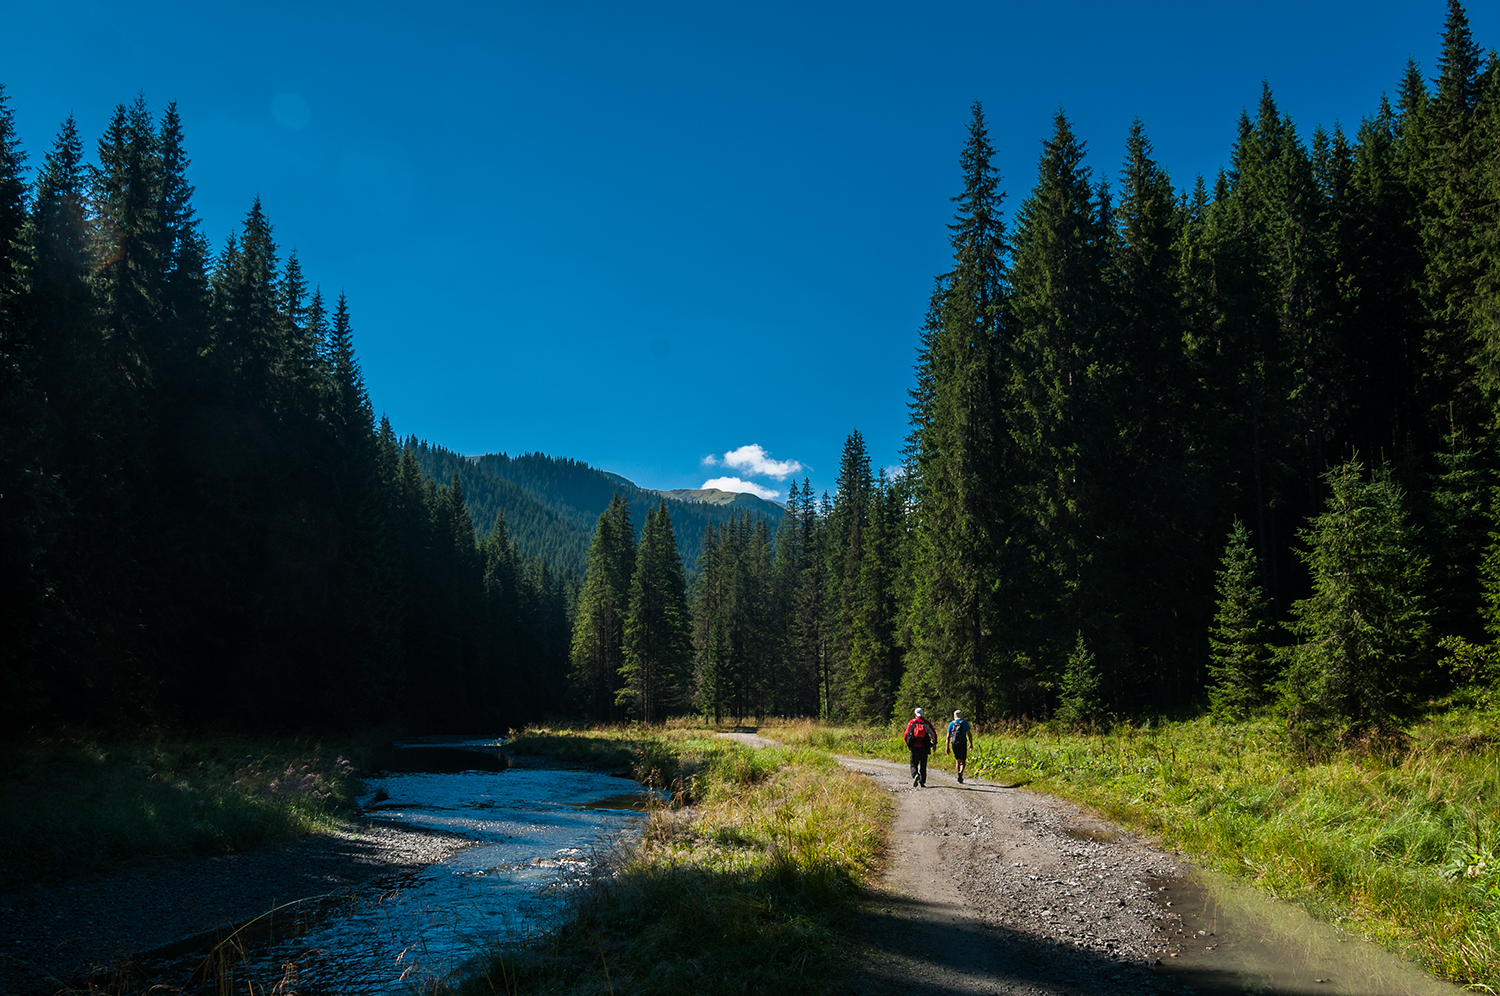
1303, 356
200, 521
632, 650
807, 620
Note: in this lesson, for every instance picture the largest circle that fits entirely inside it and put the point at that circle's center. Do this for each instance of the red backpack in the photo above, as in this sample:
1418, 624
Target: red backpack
918, 730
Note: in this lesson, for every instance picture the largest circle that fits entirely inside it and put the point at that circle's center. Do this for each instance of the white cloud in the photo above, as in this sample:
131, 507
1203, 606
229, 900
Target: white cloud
710, 461
895, 473
755, 460
741, 487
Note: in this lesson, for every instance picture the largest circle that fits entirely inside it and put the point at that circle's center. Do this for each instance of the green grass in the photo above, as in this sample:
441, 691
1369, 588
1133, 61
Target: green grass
1395, 842
76, 804
746, 882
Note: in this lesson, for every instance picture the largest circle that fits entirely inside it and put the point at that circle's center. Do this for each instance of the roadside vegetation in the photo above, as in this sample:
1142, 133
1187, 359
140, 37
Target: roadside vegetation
76, 804
1394, 840
745, 881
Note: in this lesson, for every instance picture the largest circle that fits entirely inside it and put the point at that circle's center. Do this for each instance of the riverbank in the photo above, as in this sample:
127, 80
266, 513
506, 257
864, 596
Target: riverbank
747, 881
79, 804
1397, 845
114, 929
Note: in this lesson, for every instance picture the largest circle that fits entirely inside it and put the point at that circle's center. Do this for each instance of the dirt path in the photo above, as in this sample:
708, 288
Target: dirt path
992, 888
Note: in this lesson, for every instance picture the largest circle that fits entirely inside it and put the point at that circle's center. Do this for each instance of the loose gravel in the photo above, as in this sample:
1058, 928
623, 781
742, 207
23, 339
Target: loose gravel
993, 889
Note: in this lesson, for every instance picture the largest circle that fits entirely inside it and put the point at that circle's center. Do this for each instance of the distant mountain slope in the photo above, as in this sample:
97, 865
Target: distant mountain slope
536, 526
552, 504
732, 499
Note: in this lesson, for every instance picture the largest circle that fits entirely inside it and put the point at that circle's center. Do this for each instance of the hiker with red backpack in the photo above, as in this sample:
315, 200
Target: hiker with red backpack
921, 737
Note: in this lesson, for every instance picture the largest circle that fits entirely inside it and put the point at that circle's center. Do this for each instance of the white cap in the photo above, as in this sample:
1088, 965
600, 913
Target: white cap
919, 710
958, 714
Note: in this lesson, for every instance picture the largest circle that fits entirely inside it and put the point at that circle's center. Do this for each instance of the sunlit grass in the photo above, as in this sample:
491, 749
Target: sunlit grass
81, 804
744, 883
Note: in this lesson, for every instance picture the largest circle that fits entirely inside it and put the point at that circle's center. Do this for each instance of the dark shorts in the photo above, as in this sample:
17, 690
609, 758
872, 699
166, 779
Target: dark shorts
962, 753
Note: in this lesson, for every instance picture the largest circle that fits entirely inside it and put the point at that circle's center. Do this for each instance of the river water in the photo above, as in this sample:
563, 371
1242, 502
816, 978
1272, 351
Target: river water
536, 833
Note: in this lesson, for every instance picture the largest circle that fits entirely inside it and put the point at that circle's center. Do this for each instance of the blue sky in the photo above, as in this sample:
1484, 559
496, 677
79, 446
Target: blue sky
644, 235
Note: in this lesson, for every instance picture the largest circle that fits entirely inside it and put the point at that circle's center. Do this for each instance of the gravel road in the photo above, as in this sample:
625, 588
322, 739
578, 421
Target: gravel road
991, 889
994, 889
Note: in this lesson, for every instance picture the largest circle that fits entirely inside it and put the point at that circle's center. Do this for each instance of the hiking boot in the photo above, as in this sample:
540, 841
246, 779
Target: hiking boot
914, 781
960, 778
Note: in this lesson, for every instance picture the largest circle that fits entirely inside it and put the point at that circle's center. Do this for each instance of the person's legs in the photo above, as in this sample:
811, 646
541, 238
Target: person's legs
922, 768
914, 773
961, 758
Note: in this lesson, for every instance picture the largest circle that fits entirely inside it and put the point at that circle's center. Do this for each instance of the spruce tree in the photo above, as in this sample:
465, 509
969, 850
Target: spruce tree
130, 278
958, 444
658, 625
599, 620
1457, 520
1079, 699
25, 508
1489, 573
1157, 481
184, 252
845, 532
712, 678
1453, 227
785, 696
1057, 397
808, 614
1380, 268
1239, 666
1362, 633
875, 651
12, 199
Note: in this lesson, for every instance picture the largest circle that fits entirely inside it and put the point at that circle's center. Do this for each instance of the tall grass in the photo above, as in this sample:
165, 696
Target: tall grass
744, 883
1395, 841
81, 804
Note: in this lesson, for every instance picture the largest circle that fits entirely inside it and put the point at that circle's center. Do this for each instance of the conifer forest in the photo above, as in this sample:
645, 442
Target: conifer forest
1225, 445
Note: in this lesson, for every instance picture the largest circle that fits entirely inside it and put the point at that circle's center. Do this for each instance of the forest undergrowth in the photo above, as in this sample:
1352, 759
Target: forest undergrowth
72, 804
1396, 841
744, 882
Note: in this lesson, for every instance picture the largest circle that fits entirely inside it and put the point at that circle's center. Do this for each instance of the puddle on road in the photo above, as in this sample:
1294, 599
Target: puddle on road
1093, 836
1236, 940
537, 834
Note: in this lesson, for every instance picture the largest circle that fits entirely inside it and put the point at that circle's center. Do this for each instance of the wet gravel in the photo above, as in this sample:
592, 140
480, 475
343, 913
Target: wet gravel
62, 934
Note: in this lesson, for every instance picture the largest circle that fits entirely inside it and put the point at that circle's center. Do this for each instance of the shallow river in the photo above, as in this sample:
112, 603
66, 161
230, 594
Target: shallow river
536, 832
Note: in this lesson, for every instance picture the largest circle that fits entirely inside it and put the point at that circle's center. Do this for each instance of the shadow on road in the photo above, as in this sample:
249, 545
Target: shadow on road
906, 938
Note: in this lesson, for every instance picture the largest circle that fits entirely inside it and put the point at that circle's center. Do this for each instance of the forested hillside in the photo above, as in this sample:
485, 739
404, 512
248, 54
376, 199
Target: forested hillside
1228, 444
552, 503
200, 521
